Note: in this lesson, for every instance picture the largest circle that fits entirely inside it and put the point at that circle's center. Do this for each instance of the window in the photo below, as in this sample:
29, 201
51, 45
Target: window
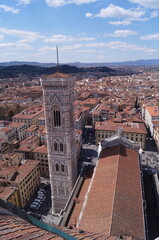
55, 146
57, 167
57, 118
61, 147
62, 168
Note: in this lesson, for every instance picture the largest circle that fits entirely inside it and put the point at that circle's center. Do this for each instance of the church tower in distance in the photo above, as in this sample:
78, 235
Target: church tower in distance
60, 130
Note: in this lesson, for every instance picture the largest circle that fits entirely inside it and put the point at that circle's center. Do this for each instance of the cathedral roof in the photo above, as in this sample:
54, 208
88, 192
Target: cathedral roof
114, 202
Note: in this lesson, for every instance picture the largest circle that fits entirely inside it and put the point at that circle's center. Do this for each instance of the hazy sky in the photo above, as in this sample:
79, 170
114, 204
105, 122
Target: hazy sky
84, 30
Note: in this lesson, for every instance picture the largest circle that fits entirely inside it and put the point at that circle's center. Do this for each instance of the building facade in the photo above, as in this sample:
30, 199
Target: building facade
133, 131
24, 178
151, 117
60, 130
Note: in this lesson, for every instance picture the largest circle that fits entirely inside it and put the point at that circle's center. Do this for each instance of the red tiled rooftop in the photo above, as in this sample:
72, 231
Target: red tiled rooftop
16, 124
41, 149
127, 127
114, 204
25, 169
5, 192
58, 75
153, 111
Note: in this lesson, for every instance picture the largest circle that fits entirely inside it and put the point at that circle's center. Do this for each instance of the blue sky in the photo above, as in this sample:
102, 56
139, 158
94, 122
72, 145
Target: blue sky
84, 30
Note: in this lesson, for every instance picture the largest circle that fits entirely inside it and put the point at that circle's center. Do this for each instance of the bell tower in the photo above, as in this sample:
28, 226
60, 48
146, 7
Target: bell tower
60, 130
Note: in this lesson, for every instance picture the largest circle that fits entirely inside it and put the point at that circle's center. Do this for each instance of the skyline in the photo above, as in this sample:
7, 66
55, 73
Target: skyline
84, 30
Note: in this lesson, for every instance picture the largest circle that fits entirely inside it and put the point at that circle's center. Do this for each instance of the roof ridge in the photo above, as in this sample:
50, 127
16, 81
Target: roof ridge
119, 148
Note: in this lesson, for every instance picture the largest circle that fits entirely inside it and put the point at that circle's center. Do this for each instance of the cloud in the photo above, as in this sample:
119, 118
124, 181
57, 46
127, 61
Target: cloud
123, 33
24, 2
126, 15
124, 46
124, 22
62, 48
98, 45
1, 37
73, 47
154, 14
85, 51
150, 37
59, 38
6, 8
64, 38
118, 12
88, 15
27, 36
59, 3
153, 4
86, 39
15, 45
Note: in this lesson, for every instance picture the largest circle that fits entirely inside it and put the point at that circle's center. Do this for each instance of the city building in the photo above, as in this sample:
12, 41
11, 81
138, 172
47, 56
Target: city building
151, 117
20, 129
60, 130
156, 136
133, 131
25, 178
4, 146
29, 116
8, 134
12, 158
108, 199
10, 194
40, 153
28, 145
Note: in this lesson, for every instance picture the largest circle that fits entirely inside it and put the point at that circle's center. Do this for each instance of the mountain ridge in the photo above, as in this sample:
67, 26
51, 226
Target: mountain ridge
140, 62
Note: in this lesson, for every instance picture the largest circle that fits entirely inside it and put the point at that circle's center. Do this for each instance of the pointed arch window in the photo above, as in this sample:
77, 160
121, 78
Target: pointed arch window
55, 146
57, 167
57, 118
61, 147
62, 168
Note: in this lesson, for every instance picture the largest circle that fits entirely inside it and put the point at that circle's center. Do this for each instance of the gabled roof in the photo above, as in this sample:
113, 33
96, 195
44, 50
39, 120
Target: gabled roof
113, 205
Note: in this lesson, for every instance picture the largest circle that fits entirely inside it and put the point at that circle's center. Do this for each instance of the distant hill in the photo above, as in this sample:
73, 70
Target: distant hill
141, 62
37, 70
17, 63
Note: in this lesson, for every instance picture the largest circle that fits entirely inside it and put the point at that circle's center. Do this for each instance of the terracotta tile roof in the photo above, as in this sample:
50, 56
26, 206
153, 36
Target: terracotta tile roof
78, 203
127, 127
153, 111
5, 192
114, 204
57, 75
5, 130
16, 124
29, 113
25, 169
14, 227
41, 149
8, 171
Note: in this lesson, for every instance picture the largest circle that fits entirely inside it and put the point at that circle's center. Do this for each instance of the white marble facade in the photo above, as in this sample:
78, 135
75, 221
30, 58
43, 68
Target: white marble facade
58, 102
